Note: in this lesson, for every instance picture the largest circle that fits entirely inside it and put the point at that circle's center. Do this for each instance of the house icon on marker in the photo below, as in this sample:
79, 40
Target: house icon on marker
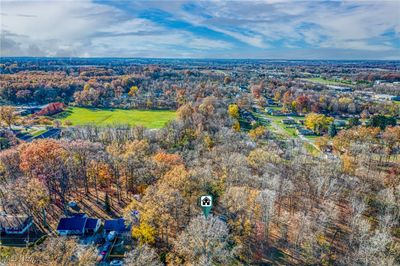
206, 201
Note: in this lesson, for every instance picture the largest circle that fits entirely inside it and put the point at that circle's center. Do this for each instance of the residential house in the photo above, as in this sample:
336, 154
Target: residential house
79, 224
117, 225
288, 121
385, 97
305, 132
340, 123
11, 224
340, 89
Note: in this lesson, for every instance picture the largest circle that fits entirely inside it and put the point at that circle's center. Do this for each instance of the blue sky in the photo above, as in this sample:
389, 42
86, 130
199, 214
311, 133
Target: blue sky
270, 29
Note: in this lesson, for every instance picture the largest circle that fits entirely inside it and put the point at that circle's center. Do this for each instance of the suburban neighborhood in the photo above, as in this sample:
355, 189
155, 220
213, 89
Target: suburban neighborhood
200, 133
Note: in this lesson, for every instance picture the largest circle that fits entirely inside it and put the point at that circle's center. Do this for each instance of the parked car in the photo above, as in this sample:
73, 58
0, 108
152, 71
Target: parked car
111, 236
116, 263
72, 204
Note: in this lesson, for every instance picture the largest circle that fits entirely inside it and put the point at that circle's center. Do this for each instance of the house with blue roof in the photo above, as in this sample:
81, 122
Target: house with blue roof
78, 224
117, 225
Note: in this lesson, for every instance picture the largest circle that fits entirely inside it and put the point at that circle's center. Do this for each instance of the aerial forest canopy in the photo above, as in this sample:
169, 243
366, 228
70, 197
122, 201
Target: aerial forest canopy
299, 173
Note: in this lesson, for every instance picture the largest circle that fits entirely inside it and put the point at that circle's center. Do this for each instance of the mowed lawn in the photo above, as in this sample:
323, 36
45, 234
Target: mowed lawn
329, 81
103, 117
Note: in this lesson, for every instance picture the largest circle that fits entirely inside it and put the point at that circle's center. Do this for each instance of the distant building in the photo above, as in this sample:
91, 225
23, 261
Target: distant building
340, 88
10, 224
52, 108
385, 97
270, 102
305, 132
340, 123
288, 121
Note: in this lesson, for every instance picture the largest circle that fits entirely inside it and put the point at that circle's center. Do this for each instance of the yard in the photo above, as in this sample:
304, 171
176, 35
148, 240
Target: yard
102, 117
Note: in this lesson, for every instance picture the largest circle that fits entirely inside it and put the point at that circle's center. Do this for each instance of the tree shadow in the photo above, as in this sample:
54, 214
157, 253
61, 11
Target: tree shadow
63, 114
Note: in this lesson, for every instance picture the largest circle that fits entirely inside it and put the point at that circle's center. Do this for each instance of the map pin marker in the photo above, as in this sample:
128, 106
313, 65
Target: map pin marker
206, 204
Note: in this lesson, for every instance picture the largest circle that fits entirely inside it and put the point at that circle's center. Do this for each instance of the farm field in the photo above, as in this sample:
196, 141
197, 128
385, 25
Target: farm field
102, 117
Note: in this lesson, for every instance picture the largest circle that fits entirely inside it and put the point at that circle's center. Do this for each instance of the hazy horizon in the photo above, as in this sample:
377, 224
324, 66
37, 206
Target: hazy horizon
194, 58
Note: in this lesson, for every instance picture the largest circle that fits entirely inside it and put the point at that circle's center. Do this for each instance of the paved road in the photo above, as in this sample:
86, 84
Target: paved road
308, 141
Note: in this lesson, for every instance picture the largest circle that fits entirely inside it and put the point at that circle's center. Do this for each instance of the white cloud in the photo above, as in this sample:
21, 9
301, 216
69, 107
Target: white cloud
84, 28
43, 20
355, 24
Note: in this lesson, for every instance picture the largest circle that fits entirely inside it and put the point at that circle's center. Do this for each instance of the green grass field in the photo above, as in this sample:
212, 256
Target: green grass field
102, 117
330, 81
39, 132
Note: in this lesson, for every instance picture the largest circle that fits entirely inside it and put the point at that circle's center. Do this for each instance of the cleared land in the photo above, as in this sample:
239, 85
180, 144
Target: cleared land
329, 81
103, 117
283, 130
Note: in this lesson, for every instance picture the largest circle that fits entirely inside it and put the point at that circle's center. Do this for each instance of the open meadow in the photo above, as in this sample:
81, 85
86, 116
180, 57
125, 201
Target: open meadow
101, 117
329, 81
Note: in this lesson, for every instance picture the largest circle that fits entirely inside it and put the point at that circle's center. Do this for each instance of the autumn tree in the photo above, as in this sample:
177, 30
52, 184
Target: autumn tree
277, 96
101, 174
233, 111
136, 165
286, 100
145, 233
204, 242
37, 197
227, 80
319, 123
258, 132
9, 163
242, 213
82, 152
302, 103
45, 160
133, 91
391, 136
166, 161
8, 115
142, 255
322, 143
63, 250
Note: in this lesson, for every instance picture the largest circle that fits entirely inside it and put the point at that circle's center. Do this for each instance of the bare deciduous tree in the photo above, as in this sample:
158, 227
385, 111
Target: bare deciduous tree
142, 255
205, 240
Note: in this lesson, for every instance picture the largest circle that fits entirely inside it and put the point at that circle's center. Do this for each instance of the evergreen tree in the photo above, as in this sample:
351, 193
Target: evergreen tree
332, 131
354, 121
382, 121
